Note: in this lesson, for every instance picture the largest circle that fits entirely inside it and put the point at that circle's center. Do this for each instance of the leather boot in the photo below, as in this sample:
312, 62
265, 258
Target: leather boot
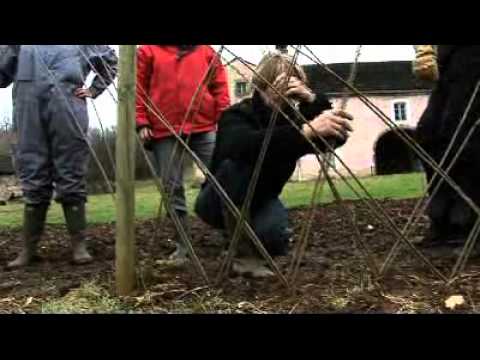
33, 226
247, 262
76, 221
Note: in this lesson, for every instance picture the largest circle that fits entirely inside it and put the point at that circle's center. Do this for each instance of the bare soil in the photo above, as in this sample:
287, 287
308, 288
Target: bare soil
333, 277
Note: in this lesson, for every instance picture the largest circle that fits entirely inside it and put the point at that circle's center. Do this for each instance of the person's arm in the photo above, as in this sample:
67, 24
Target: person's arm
144, 74
312, 109
312, 106
104, 64
238, 140
218, 86
8, 64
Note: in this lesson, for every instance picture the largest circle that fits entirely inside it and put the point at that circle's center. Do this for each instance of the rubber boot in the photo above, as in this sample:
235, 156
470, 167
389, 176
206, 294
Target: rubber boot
440, 228
462, 220
474, 254
33, 226
436, 235
76, 221
180, 255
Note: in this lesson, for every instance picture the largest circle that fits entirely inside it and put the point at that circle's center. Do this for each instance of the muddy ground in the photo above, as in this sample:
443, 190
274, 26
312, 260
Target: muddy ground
333, 276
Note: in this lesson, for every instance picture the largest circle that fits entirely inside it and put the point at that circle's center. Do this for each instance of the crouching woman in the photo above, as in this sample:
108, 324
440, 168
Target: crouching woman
241, 133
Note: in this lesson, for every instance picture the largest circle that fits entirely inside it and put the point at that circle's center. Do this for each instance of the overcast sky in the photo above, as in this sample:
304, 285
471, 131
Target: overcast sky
327, 53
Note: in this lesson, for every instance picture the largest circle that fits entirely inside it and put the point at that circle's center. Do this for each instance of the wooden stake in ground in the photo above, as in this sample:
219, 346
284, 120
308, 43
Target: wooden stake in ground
125, 172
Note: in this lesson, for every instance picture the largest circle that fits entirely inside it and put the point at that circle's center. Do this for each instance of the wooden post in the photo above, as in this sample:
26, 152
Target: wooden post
125, 172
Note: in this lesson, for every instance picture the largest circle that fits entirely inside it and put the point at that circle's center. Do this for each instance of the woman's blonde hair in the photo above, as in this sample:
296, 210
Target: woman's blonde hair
271, 66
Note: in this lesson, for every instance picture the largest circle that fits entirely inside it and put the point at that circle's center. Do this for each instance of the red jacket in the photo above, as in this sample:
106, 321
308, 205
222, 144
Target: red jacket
171, 81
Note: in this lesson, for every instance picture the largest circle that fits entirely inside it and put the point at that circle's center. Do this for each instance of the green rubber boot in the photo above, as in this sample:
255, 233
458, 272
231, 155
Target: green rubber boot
33, 226
76, 221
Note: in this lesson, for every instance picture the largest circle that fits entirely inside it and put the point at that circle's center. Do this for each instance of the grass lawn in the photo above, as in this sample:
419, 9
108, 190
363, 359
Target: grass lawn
101, 208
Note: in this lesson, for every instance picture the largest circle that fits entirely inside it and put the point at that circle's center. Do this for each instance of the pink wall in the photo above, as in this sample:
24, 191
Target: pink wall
358, 153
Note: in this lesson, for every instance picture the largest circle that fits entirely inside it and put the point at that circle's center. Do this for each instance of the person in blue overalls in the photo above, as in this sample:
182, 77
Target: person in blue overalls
51, 119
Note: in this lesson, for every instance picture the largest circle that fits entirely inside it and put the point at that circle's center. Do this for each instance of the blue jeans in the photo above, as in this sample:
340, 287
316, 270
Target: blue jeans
268, 218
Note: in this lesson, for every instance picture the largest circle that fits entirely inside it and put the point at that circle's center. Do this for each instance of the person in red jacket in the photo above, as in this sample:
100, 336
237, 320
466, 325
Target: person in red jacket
187, 85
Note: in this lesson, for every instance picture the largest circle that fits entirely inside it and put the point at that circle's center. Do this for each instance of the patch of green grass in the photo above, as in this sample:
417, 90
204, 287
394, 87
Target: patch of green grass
403, 186
101, 208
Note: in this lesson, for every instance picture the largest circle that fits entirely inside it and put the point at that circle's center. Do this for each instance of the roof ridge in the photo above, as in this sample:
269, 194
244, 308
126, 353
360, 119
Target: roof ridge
375, 76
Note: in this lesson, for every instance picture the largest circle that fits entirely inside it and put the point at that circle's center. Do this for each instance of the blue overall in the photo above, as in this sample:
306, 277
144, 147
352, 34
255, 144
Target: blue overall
51, 122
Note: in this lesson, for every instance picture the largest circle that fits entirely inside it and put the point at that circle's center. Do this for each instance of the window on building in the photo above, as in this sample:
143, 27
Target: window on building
400, 111
240, 88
